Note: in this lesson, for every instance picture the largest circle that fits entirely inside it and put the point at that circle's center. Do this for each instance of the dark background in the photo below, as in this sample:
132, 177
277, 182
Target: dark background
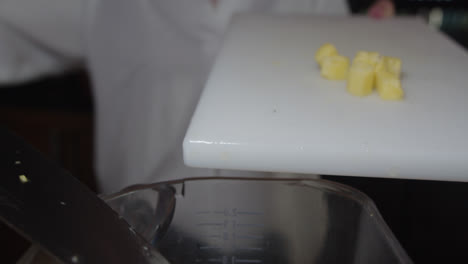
429, 218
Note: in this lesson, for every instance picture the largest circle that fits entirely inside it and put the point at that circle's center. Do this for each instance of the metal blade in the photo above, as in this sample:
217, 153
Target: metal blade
49, 206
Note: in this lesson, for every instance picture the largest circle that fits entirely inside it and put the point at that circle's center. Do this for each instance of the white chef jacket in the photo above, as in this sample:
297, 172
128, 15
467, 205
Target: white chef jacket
148, 60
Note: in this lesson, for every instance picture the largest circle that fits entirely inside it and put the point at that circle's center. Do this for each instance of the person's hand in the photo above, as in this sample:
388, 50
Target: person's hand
381, 9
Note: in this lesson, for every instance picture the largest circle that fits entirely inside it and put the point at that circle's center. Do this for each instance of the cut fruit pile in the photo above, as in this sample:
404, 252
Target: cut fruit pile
368, 70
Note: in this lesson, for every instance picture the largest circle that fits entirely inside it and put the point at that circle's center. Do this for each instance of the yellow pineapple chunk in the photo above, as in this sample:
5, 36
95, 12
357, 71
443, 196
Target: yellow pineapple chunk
326, 50
335, 67
360, 79
369, 70
371, 58
393, 65
389, 86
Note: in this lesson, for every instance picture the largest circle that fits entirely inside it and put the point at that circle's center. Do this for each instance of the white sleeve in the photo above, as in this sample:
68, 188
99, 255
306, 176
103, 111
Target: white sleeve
21, 59
39, 37
318, 7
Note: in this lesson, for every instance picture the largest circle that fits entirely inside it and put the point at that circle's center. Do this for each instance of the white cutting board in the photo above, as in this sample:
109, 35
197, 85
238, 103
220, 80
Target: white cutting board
265, 106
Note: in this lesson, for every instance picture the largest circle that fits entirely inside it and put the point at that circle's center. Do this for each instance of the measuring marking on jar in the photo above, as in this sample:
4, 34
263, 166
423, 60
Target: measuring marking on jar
249, 213
249, 237
210, 224
251, 249
250, 225
209, 248
227, 212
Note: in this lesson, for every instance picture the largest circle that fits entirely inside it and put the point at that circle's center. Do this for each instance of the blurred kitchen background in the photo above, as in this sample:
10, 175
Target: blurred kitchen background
430, 219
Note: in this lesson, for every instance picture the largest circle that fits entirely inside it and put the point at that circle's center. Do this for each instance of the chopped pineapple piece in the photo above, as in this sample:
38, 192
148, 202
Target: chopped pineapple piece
326, 50
360, 78
335, 67
393, 65
368, 70
371, 58
380, 66
390, 64
23, 178
389, 86
388, 79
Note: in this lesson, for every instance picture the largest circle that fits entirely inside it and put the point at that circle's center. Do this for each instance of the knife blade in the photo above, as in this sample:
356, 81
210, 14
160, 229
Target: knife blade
49, 206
